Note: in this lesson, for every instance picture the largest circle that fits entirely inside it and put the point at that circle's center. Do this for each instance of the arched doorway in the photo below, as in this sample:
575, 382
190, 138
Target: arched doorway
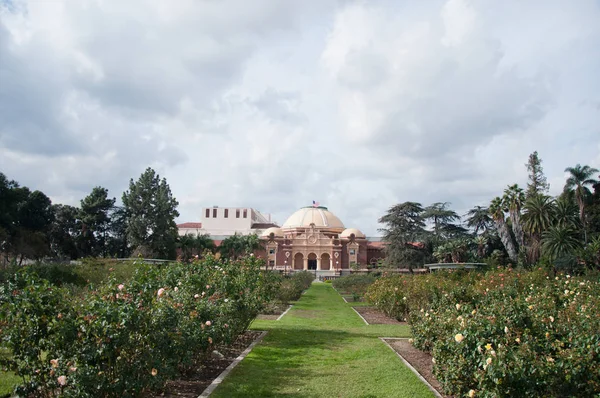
312, 261
298, 261
325, 261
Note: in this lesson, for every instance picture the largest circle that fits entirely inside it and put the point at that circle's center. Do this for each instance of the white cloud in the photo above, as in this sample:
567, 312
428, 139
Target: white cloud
358, 105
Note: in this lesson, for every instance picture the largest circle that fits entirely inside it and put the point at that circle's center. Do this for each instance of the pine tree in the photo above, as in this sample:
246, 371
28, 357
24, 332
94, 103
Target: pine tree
151, 210
537, 180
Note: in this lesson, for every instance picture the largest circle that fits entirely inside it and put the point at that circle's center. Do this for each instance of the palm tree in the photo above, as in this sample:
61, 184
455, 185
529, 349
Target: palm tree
565, 213
481, 241
537, 218
496, 210
579, 178
559, 241
479, 218
514, 197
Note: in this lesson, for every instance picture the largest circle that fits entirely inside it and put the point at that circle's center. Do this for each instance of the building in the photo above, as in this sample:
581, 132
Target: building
313, 238
221, 222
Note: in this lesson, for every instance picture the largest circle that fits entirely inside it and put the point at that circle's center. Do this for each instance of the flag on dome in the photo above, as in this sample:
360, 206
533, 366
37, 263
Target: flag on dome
315, 204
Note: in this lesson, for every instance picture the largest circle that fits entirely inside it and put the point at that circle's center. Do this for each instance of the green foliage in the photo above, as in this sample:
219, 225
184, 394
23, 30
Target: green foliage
355, 284
239, 245
95, 219
151, 211
127, 336
194, 245
502, 333
538, 184
404, 224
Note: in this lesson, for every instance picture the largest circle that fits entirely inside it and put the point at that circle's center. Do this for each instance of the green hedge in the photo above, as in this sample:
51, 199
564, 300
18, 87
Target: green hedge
355, 284
502, 333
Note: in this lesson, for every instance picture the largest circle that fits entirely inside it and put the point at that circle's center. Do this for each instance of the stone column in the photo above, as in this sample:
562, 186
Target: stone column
305, 259
318, 263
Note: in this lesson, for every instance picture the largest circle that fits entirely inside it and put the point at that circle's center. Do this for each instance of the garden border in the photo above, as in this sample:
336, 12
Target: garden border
285, 312
215, 383
361, 317
408, 365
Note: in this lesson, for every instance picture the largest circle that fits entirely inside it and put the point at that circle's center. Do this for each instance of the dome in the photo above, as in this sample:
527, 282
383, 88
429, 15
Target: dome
320, 216
350, 231
273, 230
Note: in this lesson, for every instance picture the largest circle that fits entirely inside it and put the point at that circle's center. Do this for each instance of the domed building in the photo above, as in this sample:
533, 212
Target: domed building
313, 238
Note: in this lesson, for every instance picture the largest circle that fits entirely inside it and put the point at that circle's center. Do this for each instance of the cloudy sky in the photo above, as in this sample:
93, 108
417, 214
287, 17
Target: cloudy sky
272, 104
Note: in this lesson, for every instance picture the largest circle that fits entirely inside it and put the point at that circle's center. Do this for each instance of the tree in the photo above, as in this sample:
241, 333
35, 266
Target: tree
539, 212
238, 245
65, 231
559, 241
537, 180
116, 243
513, 200
496, 210
440, 215
580, 177
151, 212
191, 245
95, 220
404, 225
479, 218
565, 213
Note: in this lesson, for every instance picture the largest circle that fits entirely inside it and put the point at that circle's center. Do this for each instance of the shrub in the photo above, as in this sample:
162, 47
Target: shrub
305, 278
355, 284
126, 337
503, 332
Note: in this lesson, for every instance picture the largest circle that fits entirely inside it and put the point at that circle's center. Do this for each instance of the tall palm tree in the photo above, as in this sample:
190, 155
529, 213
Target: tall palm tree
538, 214
496, 210
514, 197
479, 218
579, 178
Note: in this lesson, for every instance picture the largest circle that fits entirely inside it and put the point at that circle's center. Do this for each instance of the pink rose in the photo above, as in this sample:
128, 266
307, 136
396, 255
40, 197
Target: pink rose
208, 323
62, 380
161, 291
121, 286
196, 296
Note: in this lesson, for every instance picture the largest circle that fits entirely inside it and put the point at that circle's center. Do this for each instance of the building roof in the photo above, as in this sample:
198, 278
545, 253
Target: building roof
191, 225
320, 216
264, 225
350, 231
273, 230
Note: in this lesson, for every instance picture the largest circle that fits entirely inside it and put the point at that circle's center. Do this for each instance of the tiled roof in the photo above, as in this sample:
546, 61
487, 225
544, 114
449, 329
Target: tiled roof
191, 225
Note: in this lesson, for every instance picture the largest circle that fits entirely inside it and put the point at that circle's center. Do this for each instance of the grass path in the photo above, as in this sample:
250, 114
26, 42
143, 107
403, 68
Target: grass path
321, 348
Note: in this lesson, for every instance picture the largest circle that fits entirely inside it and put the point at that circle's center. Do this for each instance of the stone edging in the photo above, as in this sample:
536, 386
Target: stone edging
284, 312
361, 317
215, 383
408, 365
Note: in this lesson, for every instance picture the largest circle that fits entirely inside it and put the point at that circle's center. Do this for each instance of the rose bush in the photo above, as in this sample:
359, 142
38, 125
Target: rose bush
502, 333
126, 337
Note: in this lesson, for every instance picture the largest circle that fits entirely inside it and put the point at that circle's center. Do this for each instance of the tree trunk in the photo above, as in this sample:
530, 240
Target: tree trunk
506, 239
516, 227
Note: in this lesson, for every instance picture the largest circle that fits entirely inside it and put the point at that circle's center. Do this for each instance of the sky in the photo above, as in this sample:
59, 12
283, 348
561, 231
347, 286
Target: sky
271, 104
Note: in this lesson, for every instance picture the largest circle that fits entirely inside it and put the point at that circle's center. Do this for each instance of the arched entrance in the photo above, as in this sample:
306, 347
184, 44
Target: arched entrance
298, 261
325, 261
312, 261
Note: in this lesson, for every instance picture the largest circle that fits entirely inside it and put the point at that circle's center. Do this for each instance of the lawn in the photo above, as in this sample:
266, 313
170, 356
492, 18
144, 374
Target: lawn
321, 348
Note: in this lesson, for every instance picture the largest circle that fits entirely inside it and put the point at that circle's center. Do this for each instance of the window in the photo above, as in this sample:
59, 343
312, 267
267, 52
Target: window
271, 251
214, 213
352, 252
226, 213
271, 263
237, 213
207, 213
245, 213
